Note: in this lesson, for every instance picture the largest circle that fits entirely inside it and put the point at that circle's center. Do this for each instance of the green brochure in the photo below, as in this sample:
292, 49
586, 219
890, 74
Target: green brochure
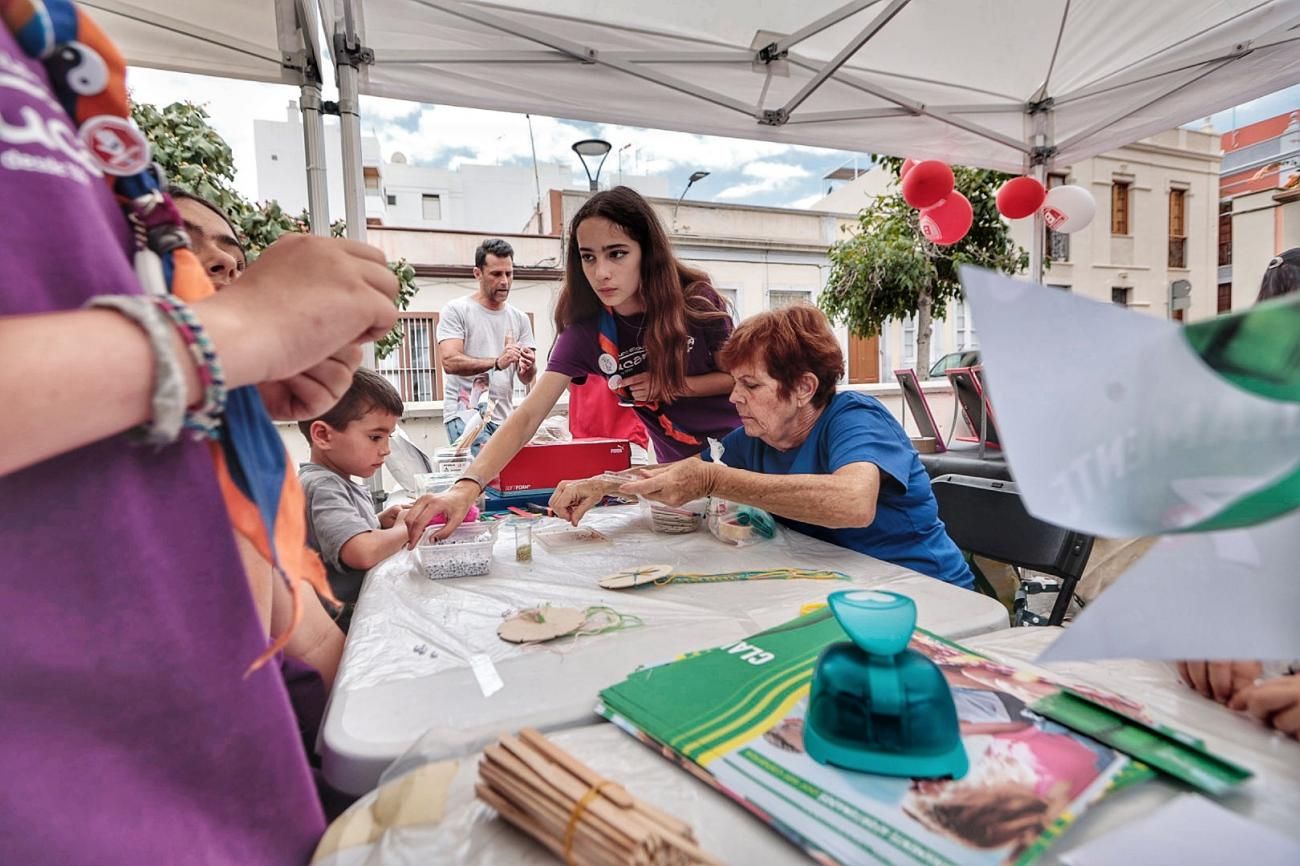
734, 717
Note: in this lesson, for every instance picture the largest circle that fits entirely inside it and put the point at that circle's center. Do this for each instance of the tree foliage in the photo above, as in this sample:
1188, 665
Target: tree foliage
886, 269
194, 157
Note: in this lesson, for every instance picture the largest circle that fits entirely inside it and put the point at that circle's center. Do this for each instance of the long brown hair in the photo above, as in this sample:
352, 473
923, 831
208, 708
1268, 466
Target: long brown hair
677, 297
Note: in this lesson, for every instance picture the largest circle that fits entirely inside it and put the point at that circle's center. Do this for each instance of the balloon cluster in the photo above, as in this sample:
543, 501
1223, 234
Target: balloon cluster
946, 214
1065, 208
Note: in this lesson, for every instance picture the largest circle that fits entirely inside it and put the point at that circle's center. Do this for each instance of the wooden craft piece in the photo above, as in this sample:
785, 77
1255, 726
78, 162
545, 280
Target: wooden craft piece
541, 624
630, 577
580, 816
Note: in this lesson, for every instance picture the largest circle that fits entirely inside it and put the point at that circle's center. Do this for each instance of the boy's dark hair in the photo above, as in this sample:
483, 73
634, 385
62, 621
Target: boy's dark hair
496, 247
369, 391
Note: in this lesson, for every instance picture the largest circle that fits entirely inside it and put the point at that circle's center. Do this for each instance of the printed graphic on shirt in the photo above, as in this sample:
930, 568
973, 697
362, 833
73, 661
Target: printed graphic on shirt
36, 135
632, 361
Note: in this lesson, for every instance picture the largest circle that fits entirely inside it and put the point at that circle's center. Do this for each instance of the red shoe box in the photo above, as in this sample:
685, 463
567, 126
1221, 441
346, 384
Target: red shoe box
545, 465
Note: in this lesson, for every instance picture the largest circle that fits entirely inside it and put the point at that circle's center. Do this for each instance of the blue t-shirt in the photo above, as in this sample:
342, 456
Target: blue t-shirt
856, 428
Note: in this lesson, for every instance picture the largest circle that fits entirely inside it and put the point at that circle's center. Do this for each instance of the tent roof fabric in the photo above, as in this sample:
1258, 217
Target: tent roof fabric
251, 39
946, 79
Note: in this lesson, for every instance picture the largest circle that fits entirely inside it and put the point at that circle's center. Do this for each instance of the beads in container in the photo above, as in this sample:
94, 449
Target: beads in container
467, 552
676, 521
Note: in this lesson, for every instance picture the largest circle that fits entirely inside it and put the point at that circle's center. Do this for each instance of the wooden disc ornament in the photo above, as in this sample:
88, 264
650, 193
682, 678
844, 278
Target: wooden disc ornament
540, 624
630, 577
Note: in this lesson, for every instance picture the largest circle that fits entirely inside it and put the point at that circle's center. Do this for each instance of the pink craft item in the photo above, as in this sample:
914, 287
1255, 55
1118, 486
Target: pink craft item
470, 517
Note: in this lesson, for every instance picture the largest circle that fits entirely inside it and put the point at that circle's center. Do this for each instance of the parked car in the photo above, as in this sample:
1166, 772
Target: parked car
967, 358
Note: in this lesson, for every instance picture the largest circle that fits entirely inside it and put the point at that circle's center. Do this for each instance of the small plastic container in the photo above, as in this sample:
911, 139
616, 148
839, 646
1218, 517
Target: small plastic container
435, 482
671, 520
467, 552
451, 461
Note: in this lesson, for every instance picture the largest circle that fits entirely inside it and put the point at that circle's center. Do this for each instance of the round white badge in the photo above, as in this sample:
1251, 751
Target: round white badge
117, 145
615, 382
607, 364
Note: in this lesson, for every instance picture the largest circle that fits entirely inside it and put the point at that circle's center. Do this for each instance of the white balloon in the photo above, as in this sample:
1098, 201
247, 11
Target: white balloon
1068, 208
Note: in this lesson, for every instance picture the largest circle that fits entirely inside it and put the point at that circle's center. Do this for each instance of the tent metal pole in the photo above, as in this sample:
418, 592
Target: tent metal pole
854, 45
1040, 155
313, 131
1038, 243
348, 55
354, 184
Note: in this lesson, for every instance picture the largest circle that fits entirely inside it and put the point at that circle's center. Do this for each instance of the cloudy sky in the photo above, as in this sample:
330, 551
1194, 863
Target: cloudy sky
745, 172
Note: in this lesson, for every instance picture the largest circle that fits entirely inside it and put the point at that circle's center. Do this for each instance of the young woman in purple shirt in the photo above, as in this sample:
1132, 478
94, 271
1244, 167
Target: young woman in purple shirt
629, 312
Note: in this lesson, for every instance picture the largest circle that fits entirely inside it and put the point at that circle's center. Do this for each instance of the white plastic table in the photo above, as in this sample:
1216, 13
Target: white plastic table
470, 832
423, 656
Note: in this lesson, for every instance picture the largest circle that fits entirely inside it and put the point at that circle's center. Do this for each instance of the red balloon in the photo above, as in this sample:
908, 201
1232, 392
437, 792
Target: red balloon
908, 165
927, 183
1020, 197
948, 221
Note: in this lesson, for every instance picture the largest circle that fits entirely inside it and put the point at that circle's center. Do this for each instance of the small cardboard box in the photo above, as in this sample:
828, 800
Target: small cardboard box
545, 465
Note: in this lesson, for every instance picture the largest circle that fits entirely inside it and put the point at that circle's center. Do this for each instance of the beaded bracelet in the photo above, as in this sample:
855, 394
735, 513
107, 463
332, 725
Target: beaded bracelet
205, 421
168, 400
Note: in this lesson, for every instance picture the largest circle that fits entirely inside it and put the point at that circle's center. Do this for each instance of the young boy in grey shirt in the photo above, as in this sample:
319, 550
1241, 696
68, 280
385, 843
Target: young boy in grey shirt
351, 440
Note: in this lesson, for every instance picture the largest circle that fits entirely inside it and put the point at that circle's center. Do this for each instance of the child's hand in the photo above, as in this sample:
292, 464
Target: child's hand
389, 516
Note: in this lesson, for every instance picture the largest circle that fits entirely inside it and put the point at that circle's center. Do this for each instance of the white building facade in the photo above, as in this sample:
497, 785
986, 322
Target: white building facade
484, 198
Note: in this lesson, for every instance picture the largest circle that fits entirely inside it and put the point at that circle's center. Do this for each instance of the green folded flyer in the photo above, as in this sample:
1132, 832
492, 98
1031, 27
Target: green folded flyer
734, 717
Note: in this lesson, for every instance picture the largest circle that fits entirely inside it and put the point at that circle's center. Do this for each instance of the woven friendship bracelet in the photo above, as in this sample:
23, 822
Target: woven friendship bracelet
168, 400
205, 421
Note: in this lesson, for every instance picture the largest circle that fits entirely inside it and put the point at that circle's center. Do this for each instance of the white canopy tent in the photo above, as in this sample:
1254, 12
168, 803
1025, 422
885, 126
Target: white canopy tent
259, 40
1018, 85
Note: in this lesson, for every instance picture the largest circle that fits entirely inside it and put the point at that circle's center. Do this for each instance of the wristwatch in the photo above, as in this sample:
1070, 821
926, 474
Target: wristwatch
469, 476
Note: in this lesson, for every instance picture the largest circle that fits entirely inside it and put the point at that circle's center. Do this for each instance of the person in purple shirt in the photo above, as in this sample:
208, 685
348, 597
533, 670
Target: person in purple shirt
131, 728
630, 312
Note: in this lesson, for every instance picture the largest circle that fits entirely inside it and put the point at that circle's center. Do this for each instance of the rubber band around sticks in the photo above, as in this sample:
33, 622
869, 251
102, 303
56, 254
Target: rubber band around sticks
571, 829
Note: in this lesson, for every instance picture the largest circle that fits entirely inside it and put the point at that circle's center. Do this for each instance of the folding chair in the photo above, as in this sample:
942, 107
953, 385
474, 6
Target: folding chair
987, 517
914, 399
975, 407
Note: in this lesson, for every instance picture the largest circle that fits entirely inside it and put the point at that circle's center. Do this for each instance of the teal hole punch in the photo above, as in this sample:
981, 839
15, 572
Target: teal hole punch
877, 706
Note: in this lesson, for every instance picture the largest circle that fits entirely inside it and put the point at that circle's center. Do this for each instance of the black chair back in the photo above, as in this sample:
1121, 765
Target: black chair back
987, 517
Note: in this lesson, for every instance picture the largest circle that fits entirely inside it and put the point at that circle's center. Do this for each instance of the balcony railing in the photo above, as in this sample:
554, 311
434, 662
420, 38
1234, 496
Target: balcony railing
1178, 252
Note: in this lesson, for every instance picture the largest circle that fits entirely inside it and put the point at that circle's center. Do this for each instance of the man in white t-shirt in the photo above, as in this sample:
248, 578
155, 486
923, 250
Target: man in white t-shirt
484, 343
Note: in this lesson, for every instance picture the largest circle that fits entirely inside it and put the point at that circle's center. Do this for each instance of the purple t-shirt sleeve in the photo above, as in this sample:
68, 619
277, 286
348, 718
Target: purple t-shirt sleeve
575, 351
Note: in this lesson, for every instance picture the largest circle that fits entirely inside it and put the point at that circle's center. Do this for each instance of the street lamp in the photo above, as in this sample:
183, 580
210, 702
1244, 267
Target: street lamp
592, 147
695, 175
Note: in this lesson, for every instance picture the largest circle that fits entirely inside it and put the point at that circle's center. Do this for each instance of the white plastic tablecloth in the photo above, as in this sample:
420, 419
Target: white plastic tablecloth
423, 656
470, 832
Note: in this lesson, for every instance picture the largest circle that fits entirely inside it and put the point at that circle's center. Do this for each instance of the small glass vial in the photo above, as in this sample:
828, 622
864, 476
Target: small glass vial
523, 541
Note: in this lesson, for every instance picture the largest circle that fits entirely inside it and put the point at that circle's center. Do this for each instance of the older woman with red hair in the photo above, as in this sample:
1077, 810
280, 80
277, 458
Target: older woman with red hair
834, 465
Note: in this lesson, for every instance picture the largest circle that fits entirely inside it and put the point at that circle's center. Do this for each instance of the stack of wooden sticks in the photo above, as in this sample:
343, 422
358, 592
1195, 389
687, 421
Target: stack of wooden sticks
584, 818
